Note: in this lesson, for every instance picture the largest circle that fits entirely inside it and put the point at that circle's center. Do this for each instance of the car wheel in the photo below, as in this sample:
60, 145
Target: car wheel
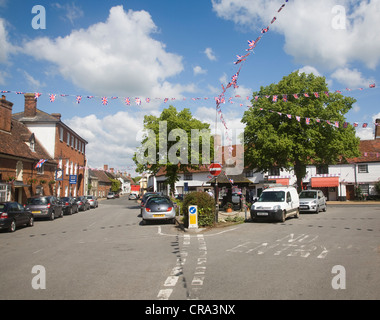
283, 216
297, 215
52, 215
317, 210
12, 227
30, 222
71, 211
325, 208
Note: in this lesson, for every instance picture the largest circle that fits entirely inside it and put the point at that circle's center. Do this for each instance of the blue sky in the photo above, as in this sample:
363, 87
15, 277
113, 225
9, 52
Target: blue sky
180, 49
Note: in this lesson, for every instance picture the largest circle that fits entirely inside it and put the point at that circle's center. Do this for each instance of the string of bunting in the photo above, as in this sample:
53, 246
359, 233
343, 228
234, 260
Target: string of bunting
240, 59
220, 100
308, 120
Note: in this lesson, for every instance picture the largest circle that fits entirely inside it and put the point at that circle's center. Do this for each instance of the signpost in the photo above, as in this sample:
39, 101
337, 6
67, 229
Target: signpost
193, 217
215, 170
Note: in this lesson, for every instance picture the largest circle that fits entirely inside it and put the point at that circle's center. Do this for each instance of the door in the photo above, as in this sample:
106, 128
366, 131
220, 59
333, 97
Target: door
350, 192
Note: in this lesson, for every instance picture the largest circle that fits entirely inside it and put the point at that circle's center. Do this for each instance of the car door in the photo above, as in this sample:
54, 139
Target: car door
14, 213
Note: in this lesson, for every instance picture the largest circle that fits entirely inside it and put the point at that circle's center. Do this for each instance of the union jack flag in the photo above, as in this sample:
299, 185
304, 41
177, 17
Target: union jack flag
147, 100
295, 95
79, 98
138, 101
37, 95
127, 101
265, 30
40, 163
372, 85
52, 97
274, 99
104, 101
316, 94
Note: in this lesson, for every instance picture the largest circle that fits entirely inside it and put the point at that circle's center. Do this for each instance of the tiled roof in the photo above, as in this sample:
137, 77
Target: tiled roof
369, 150
13, 143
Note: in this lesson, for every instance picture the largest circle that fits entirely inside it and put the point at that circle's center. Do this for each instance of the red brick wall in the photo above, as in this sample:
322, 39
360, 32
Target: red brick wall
8, 171
75, 155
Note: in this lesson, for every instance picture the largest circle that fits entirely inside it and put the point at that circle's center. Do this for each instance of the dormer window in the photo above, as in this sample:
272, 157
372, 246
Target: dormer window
32, 142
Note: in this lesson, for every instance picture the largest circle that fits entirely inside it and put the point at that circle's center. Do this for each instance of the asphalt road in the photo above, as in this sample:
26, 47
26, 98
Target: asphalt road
105, 253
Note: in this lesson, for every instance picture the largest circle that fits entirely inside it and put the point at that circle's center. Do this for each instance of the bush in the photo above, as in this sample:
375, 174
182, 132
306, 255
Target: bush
206, 208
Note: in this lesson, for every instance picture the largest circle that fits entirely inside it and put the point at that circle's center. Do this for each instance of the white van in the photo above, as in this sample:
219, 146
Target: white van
276, 203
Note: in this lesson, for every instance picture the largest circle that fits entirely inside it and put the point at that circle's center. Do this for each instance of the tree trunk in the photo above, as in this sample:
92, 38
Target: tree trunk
300, 171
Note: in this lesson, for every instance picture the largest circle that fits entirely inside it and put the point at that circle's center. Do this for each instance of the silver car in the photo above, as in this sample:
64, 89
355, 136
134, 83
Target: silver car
312, 201
93, 201
158, 208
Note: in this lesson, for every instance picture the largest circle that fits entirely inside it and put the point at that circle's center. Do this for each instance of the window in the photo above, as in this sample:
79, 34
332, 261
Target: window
76, 144
67, 166
40, 170
323, 169
364, 189
363, 168
249, 174
274, 171
68, 138
61, 133
72, 141
188, 176
19, 170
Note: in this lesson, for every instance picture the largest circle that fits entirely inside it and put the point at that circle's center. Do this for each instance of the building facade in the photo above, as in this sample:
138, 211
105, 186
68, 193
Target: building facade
20, 153
63, 145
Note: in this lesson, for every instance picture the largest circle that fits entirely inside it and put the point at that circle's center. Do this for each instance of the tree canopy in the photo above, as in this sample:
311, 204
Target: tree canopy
174, 141
272, 139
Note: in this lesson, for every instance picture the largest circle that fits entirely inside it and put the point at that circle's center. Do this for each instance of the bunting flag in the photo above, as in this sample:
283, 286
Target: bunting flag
40, 163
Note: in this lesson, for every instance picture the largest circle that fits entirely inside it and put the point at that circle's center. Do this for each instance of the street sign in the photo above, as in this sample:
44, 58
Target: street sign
73, 179
193, 217
215, 169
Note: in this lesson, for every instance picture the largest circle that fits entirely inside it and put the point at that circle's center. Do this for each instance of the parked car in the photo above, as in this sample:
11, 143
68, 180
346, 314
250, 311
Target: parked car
83, 203
276, 203
117, 195
47, 207
111, 195
13, 214
132, 196
158, 207
93, 201
69, 205
146, 196
312, 201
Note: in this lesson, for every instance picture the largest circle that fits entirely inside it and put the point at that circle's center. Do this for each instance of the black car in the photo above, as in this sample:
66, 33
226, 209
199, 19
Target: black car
13, 214
83, 203
69, 205
44, 207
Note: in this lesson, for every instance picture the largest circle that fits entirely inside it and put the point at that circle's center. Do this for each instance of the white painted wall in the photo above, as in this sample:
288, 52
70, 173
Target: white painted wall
45, 133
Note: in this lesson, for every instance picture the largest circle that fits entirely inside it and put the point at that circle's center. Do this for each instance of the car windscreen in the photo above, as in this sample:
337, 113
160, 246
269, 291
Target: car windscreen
308, 195
158, 200
37, 201
272, 196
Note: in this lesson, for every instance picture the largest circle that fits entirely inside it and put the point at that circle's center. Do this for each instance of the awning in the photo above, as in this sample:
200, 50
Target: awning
282, 181
325, 182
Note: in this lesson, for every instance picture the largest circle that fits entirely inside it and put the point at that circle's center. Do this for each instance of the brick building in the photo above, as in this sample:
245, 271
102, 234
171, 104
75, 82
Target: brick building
62, 144
20, 151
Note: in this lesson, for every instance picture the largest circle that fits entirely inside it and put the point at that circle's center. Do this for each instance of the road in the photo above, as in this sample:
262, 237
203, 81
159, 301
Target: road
105, 253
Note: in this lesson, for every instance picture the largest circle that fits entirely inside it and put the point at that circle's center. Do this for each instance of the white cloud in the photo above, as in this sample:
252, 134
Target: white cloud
310, 69
198, 70
351, 78
210, 54
111, 140
116, 57
72, 12
6, 47
308, 28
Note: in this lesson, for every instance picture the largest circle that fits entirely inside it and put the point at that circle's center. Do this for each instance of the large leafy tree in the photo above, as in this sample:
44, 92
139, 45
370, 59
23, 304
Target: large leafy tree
273, 139
176, 142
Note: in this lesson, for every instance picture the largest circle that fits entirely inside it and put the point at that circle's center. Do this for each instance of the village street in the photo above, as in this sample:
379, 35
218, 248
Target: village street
105, 253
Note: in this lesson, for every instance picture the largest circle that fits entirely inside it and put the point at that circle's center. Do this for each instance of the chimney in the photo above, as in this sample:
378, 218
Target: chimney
112, 170
377, 129
30, 109
105, 167
5, 114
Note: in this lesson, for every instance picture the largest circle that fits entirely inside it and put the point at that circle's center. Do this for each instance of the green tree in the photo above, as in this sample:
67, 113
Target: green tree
115, 185
174, 141
272, 139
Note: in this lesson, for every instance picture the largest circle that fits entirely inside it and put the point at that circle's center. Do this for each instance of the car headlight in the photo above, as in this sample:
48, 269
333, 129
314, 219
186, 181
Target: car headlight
314, 202
278, 207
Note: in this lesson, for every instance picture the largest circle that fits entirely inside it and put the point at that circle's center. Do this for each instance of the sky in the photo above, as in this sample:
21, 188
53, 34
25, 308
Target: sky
183, 51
